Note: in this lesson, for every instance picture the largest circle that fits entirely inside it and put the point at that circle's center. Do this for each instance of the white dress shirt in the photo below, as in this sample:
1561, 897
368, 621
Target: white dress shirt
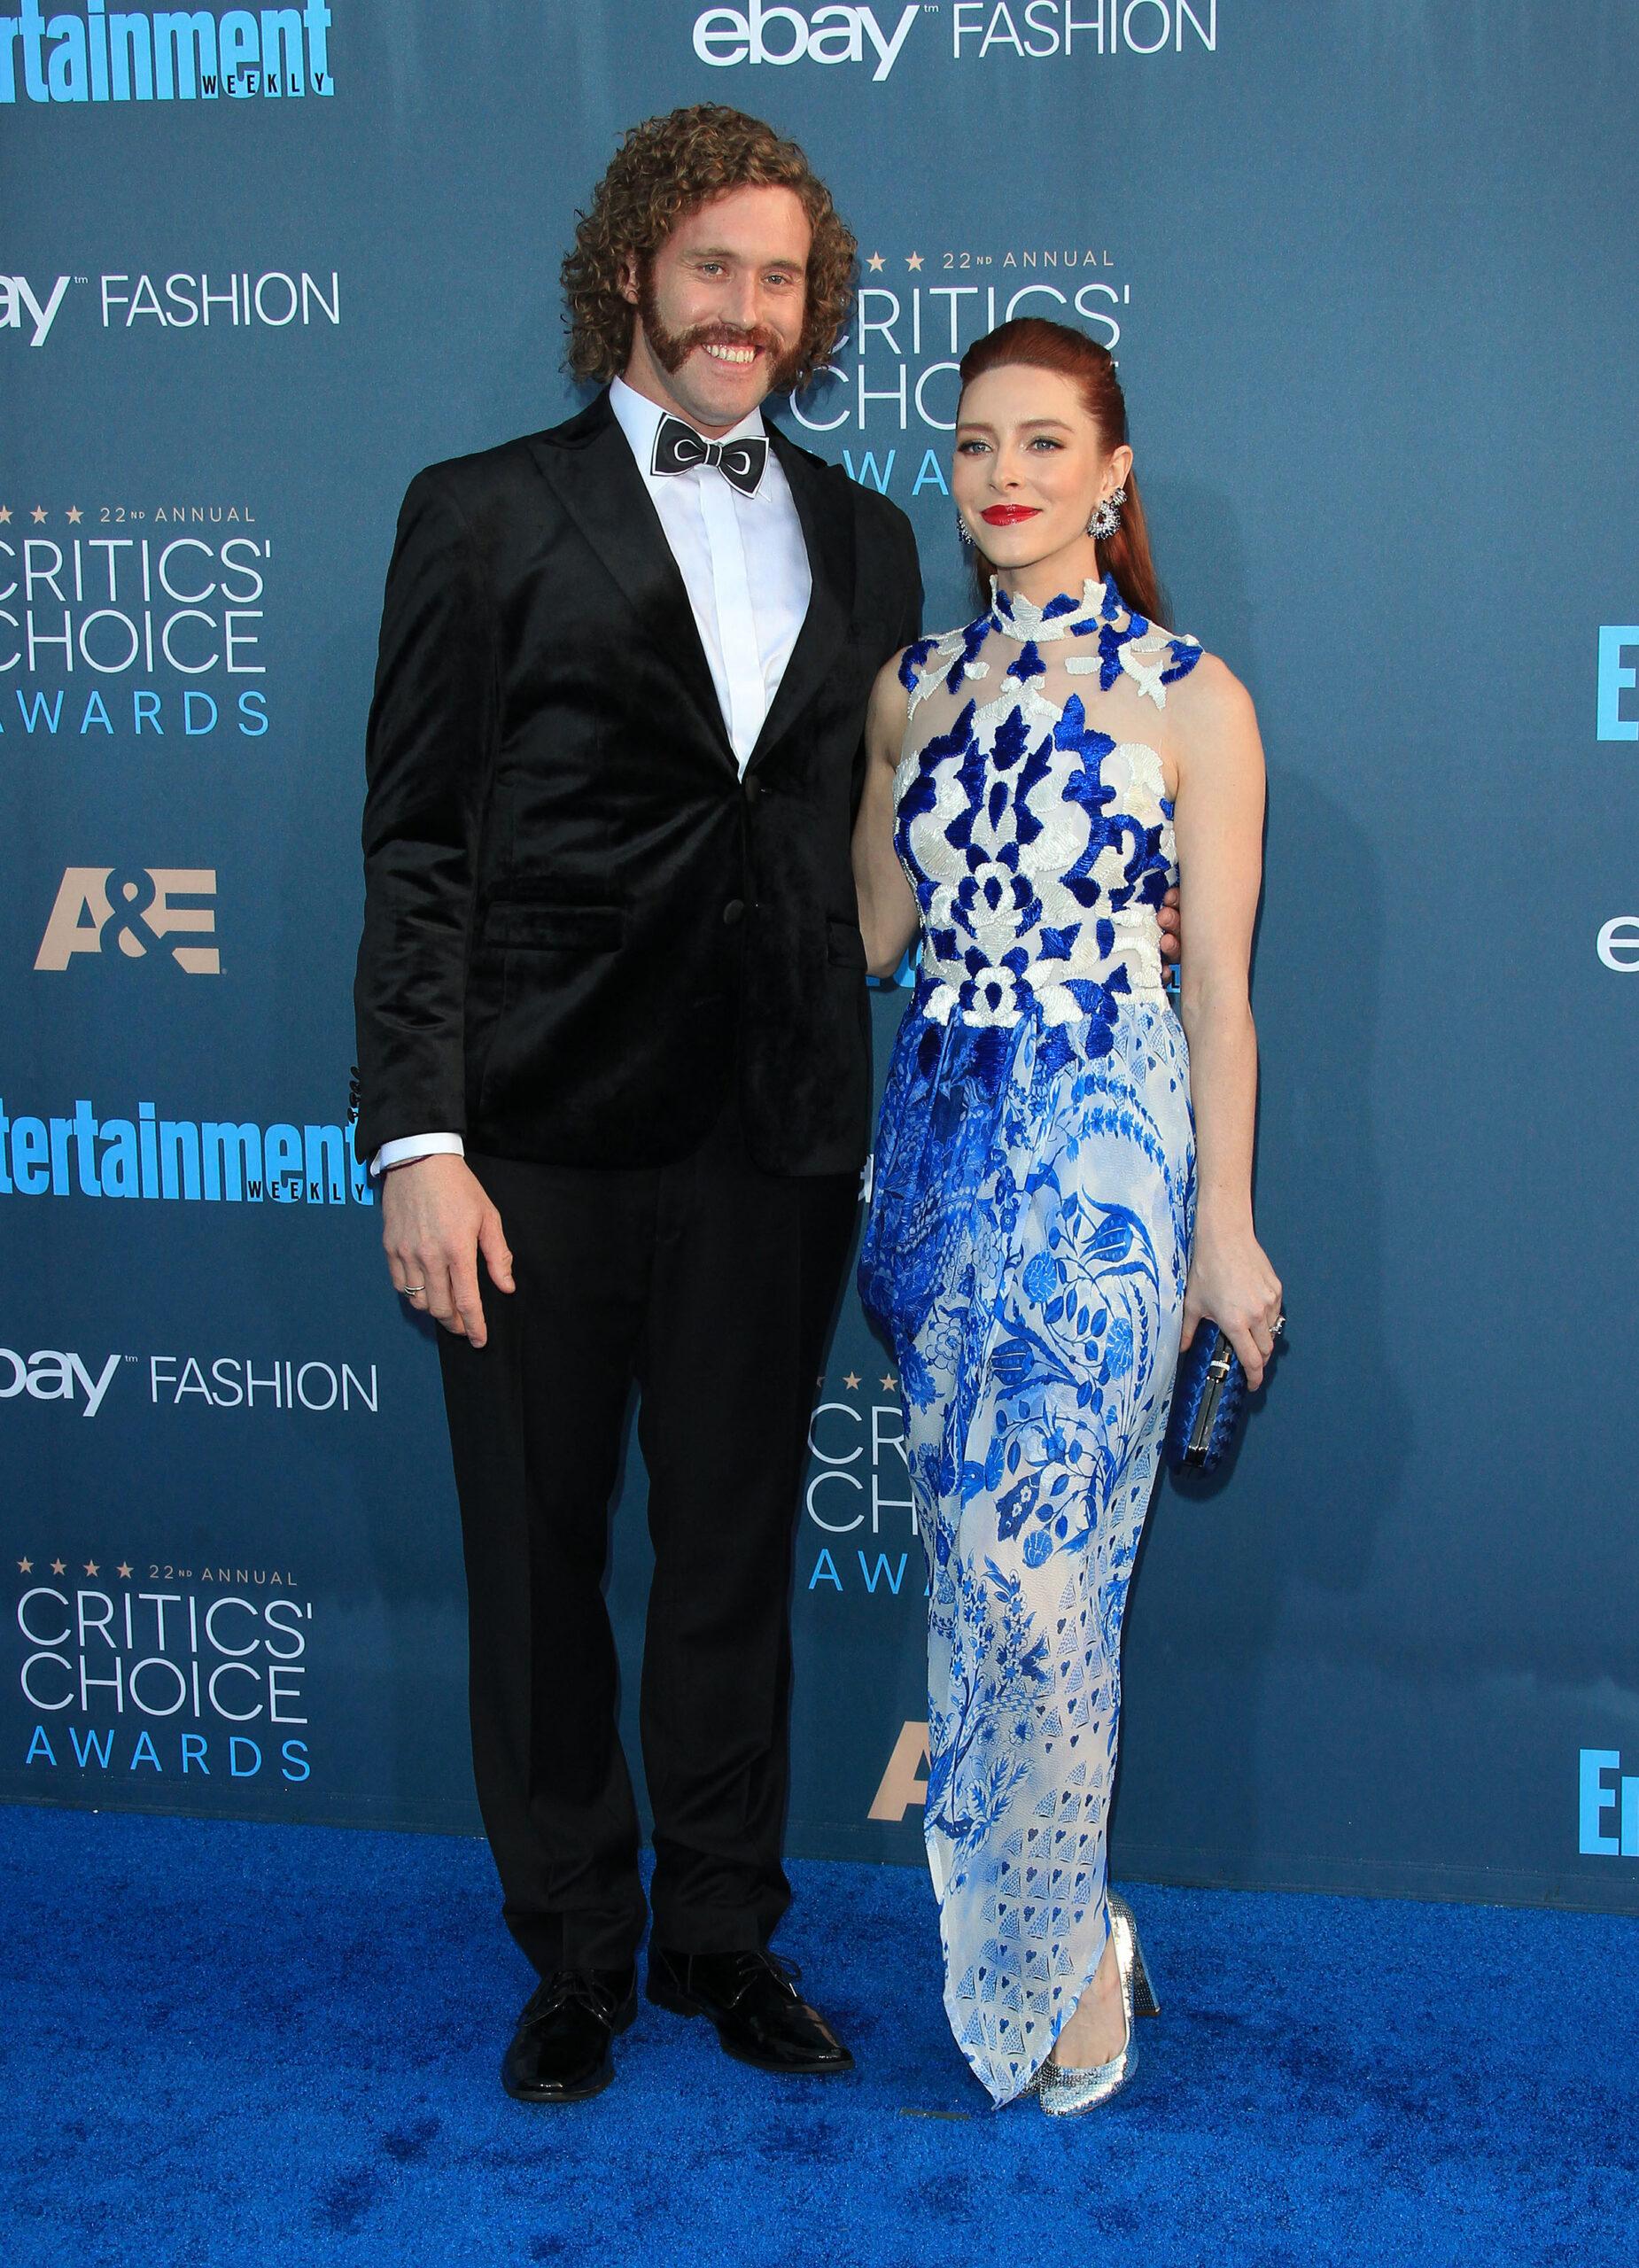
743, 560
745, 568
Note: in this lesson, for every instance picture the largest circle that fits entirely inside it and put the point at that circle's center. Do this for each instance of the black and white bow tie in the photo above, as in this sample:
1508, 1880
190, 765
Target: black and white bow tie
679, 448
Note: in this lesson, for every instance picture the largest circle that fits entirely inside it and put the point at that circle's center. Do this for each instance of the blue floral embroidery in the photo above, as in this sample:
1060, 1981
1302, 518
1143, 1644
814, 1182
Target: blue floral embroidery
1184, 657
1028, 664
1026, 1255
972, 637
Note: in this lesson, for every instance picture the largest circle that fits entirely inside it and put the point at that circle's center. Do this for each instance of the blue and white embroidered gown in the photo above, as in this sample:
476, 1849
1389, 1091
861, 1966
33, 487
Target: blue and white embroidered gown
1026, 1254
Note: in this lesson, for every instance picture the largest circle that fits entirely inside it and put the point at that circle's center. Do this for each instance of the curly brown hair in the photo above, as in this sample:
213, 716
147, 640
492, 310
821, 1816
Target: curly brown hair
667, 167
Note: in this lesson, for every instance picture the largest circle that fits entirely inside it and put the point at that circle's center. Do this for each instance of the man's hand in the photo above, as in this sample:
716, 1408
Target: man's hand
1167, 914
435, 1221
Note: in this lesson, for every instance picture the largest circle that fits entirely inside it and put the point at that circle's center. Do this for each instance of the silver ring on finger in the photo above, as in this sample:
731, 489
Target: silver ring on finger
412, 1291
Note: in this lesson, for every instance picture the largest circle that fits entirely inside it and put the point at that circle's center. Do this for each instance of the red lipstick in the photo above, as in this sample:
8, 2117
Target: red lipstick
1008, 515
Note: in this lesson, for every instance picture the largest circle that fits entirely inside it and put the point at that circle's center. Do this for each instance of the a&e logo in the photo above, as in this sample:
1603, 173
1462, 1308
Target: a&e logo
137, 910
905, 1782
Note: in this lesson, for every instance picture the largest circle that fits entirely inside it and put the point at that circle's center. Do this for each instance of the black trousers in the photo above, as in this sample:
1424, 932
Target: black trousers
709, 1284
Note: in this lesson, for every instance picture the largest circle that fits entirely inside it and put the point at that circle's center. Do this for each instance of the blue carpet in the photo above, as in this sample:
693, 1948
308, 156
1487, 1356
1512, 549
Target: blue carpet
237, 2044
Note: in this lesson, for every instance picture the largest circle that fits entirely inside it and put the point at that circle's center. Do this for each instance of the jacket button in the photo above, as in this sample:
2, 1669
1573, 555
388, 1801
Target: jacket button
753, 787
735, 910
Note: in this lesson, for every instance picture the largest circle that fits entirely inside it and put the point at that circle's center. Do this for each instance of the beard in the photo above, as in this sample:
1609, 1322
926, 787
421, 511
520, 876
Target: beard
672, 348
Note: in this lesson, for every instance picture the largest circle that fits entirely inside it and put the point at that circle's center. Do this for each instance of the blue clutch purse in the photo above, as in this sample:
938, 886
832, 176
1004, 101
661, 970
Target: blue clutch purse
1208, 1402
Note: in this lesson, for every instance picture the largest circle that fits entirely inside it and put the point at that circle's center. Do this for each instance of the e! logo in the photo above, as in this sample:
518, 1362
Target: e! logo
903, 1782
137, 910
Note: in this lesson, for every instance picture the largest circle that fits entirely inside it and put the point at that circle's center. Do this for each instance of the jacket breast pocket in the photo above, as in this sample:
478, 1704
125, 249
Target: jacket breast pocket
556, 928
844, 947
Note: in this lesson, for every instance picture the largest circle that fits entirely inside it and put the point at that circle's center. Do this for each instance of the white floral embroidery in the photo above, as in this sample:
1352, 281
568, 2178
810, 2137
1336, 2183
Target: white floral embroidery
1026, 1252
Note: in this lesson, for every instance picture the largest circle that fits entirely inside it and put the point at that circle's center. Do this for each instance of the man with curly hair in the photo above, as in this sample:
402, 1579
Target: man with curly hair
611, 992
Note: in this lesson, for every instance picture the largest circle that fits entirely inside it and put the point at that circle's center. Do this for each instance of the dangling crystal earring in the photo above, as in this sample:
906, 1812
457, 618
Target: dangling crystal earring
1106, 519
961, 529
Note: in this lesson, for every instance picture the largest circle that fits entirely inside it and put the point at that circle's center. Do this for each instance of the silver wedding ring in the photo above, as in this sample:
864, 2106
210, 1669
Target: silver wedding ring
410, 1290
1277, 1326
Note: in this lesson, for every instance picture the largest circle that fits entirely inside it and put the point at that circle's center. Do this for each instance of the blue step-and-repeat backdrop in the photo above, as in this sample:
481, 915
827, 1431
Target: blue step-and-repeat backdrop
1370, 271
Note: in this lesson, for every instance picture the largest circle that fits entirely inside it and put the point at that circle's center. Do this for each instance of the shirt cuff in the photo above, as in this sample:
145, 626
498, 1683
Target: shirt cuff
409, 1146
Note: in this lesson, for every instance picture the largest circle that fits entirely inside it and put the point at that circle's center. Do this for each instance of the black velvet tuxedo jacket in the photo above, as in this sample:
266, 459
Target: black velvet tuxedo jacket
583, 931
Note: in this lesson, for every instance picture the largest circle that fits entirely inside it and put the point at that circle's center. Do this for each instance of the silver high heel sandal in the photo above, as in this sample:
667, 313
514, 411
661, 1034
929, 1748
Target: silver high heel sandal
1065, 2093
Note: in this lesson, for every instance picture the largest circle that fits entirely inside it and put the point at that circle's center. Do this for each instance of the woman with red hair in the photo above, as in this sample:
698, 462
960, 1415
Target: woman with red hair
1051, 1220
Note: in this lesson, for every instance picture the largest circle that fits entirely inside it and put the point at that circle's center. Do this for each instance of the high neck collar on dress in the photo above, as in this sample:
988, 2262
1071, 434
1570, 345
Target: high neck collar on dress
1061, 618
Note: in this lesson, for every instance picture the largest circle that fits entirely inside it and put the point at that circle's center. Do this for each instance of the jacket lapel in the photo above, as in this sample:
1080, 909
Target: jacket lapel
827, 521
589, 466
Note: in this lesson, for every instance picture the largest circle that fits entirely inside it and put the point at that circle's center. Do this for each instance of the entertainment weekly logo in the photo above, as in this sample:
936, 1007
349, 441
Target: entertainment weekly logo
143, 1670
967, 31
163, 55
141, 618
187, 1161
1616, 712
1607, 1806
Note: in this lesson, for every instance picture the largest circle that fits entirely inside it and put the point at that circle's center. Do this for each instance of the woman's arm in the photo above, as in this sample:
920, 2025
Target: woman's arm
1219, 823
887, 911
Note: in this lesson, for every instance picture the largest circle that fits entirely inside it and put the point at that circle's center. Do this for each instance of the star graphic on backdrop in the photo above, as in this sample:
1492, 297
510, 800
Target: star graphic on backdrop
820, 1379
888, 1383
90, 1567
38, 514
59, 1567
75, 515
913, 259
852, 1380
123, 1570
25, 1567
5, 514
875, 263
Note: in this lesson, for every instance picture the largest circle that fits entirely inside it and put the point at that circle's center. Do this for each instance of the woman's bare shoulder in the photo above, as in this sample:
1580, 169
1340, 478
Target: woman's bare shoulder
1210, 702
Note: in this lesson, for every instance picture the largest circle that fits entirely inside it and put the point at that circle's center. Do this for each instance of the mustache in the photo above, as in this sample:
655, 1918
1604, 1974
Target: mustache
671, 349
719, 334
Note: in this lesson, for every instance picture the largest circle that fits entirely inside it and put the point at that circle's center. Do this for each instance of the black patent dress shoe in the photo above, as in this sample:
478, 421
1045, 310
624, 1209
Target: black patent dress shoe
753, 2000
560, 2052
